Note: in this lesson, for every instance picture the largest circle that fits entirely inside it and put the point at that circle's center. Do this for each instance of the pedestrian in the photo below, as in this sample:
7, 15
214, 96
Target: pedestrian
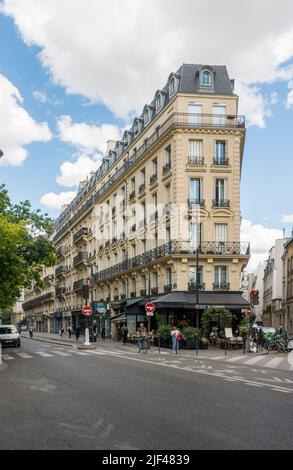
77, 332
124, 334
31, 331
103, 333
176, 338
61, 331
69, 329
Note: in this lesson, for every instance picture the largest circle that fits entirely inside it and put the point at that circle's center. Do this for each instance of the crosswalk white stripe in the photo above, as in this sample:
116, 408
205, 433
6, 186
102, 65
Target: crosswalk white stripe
6, 357
24, 355
60, 353
41, 353
79, 353
254, 360
235, 359
273, 363
215, 358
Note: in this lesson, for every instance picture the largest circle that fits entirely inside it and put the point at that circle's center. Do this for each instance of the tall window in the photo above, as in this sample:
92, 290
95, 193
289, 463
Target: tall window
221, 277
221, 232
133, 286
143, 246
195, 113
168, 155
192, 276
155, 279
196, 234
168, 276
195, 190
132, 184
221, 192
168, 193
142, 176
220, 152
195, 151
143, 282
219, 114
154, 167
172, 86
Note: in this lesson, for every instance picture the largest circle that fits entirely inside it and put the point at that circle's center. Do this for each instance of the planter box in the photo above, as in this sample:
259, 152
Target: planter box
191, 344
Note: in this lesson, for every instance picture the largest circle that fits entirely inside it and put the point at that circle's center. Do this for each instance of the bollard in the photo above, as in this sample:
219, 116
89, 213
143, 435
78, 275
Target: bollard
159, 344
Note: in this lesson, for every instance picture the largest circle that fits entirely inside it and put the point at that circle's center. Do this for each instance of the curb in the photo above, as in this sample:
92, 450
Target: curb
45, 340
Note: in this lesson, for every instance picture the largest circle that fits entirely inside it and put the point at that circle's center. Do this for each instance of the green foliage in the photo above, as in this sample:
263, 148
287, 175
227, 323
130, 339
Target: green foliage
213, 312
164, 331
191, 333
24, 248
244, 327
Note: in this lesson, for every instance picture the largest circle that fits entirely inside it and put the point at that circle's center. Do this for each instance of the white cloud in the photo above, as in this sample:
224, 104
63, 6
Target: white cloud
17, 127
56, 201
287, 218
40, 96
74, 172
261, 240
85, 136
127, 49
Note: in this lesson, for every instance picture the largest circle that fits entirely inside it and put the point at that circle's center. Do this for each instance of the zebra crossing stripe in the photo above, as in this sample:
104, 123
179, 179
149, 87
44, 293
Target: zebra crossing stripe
43, 354
215, 358
273, 363
254, 360
6, 357
60, 353
24, 355
235, 359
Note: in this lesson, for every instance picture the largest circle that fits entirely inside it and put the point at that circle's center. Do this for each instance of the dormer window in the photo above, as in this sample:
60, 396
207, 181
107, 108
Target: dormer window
172, 86
135, 127
206, 78
146, 115
158, 102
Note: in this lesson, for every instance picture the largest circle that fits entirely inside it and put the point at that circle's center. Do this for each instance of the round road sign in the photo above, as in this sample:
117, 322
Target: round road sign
150, 307
87, 311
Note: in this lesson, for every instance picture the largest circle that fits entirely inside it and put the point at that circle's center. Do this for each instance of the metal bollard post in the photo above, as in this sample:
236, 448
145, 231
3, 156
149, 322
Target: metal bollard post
159, 343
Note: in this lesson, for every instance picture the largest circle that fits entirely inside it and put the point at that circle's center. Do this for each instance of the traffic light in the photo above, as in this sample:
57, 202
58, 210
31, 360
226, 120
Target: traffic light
254, 297
86, 291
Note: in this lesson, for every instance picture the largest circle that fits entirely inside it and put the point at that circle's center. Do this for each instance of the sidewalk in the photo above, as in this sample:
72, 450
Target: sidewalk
211, 352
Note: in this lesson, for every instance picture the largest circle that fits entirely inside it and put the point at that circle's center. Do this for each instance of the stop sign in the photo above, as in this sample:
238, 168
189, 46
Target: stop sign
150, 307
87, 311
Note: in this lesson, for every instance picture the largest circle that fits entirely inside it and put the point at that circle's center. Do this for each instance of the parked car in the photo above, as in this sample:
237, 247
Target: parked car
9, 336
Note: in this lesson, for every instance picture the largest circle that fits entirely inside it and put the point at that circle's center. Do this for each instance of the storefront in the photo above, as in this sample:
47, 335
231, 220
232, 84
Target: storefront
57, 322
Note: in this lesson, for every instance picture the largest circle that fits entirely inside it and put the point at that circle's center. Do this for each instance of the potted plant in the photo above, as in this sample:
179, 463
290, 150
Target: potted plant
204, 343
164, 332
191, 335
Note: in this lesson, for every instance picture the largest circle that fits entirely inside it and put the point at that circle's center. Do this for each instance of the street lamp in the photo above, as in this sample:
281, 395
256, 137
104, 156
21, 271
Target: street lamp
1, 153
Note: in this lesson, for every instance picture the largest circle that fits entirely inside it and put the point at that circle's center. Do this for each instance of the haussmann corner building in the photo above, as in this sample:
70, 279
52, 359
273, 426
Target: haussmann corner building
120, 234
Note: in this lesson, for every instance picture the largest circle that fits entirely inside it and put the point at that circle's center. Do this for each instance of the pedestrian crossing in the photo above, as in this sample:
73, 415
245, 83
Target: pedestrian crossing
262, 361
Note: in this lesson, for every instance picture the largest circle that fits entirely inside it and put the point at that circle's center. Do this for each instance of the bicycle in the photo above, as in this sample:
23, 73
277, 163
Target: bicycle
142, 345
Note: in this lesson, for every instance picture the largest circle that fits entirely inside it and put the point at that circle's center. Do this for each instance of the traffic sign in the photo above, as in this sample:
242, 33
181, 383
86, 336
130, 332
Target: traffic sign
150, 308
87, 311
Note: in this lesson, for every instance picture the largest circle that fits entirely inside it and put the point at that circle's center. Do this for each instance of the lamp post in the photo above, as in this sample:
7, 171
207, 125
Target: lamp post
197, 299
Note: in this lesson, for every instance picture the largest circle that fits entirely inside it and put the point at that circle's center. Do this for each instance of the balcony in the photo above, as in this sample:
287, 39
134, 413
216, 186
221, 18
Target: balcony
175, 120
141, 188
131, 196
61, 251
221, 203
81, 258
166, 167
192, 287
195, 160
80, 235
78, 285
48, 280
168, 288
38, 301
61, 271
172, 249
221, 162
221, 286
153, 179
196, 202
60, 291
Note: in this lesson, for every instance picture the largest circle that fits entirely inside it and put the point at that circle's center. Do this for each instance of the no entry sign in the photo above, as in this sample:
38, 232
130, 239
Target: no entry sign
87, 311
150, 308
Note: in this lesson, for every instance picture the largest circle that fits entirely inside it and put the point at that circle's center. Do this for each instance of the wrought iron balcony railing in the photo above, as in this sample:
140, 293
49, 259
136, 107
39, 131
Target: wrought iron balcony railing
38, 301
60, 291
83, 232
60, 271
142, 188
153, 179
221, 162
221, 286
221, 203
166, 167
61, 251
193, 287
80, 258
198, 202
175, 248
195, 160
78, 285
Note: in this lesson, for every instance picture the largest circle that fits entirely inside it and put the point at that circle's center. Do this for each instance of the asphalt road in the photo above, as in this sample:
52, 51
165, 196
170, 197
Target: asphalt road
53, 398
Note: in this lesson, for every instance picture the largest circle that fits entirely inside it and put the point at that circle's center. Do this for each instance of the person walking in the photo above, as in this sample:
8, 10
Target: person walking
176, 338
103, 333
69, 329
31, 331
124, 334
77, 332
61, 331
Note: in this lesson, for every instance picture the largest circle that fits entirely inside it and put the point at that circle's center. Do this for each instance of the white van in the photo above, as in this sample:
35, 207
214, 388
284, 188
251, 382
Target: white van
9, 336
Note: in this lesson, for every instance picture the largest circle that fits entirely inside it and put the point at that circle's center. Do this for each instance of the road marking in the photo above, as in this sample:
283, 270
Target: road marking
24, 355
279, 390
235, 359
79, 353
273, 363
253, 360
60, 353
6, 357
43, 354
216, 358
277, 379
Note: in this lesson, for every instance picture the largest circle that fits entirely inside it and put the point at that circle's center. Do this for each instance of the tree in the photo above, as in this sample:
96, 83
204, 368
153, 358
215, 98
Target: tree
24, 248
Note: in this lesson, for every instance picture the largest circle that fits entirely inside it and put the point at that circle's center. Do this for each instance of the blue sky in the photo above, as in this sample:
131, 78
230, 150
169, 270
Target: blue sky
58, 73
